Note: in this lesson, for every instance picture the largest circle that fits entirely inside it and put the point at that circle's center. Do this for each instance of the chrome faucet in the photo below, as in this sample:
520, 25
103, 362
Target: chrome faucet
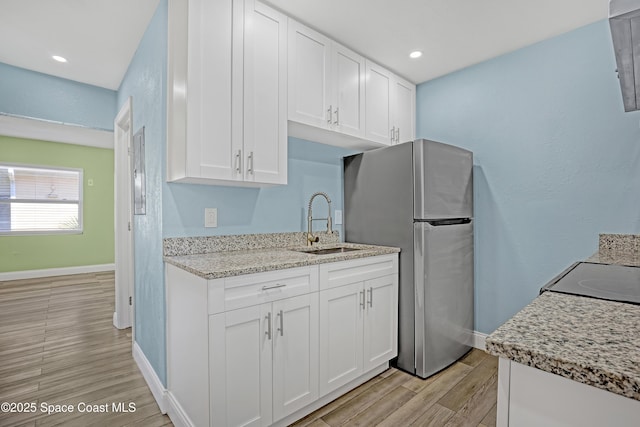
311, 239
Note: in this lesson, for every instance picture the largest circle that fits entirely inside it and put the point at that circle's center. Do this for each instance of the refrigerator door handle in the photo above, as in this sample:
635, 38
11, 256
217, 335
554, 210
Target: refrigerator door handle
418, 253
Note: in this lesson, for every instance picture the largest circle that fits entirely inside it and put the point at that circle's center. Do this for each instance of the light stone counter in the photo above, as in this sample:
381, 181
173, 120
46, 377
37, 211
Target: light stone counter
588, 340
225, 256
592, 341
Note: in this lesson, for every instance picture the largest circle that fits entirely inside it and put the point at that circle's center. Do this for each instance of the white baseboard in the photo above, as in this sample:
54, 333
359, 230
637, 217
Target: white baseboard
155, 385
50, 272
479, 340
178, 417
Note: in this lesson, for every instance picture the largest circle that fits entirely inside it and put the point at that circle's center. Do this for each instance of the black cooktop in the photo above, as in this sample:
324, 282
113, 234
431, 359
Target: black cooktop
603, 281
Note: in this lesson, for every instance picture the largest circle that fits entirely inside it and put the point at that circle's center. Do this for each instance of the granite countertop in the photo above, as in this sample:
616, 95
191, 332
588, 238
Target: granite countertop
592, 341
595, 342
221, 264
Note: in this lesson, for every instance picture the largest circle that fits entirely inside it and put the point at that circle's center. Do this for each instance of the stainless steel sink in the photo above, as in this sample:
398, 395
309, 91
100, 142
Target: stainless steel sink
328, 251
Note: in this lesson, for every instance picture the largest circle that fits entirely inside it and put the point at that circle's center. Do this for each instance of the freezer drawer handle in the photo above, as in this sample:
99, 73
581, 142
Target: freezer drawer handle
440, 222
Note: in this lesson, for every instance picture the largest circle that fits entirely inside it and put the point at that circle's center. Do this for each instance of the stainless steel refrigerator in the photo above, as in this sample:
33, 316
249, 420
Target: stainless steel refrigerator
419, 196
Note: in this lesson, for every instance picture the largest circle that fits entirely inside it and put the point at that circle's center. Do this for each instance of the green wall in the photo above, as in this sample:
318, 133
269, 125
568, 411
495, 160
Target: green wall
96, 244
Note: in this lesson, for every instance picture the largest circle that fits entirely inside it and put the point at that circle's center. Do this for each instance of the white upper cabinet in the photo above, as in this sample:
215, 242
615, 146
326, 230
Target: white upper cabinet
348, 91
403, 110
265, 94
326, 88
338, 97
309, 81
326, 82
390, 111
378, 111
226, 109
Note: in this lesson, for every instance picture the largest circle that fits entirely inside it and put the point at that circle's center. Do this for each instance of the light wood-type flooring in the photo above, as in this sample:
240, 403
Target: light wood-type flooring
58, 346
464, 394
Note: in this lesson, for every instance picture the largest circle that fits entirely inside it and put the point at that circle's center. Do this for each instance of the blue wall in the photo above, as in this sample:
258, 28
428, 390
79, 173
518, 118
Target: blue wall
312, 167
146, 81
557, 161
31, 94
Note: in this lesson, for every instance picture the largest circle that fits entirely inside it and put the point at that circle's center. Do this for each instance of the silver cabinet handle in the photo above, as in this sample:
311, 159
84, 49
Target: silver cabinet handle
337, 117
398, 136
281, 328
393, 134
330, 114
238, 157
370, 292
266, 288
268, 319
362, 299
250, 163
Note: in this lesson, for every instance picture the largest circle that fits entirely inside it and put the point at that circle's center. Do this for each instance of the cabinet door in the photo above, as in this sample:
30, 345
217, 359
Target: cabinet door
309, 71
341, 326
378, 104
381, 321
241, 367
295, 354
348, 89
265, 94
199, 70
210, 152
403, 110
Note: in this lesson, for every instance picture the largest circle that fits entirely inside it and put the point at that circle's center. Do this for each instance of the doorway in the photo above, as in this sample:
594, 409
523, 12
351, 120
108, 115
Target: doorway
124, 257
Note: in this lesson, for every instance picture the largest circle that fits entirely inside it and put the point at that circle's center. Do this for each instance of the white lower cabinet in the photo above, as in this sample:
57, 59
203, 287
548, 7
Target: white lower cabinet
358, 329
530, 397
264, 361
341, 336
380, 321
268, 348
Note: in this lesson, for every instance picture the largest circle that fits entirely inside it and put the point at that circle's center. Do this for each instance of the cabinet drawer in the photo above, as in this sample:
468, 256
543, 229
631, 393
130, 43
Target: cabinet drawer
345, 272
252, 289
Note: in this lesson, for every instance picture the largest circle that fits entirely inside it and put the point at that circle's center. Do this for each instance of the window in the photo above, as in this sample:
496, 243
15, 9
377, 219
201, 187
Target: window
40, 200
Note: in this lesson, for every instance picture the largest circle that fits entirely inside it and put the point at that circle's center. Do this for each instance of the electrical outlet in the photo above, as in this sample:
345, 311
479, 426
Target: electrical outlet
338, 217
210, 217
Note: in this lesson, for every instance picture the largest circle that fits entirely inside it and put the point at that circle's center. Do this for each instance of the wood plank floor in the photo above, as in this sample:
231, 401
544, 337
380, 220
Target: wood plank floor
462, 395
58, 346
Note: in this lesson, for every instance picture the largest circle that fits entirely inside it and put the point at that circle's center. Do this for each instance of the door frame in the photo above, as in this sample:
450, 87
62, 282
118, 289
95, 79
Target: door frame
123, 218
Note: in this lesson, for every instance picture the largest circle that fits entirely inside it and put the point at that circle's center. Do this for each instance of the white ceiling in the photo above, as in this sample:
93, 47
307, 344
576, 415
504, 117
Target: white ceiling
453, 34
99, 37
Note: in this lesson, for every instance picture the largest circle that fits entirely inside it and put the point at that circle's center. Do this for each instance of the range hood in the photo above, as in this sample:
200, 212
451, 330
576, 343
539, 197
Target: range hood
624, 19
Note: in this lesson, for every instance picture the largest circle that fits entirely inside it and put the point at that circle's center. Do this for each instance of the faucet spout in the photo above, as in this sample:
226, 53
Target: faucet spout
310, 237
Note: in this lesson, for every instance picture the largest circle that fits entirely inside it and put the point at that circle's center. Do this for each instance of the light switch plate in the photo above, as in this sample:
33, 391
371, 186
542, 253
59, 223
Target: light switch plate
210, 217
338, 217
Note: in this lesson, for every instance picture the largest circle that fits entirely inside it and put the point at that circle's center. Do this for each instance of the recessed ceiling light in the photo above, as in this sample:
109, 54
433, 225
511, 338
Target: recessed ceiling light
415, 54
59, 58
